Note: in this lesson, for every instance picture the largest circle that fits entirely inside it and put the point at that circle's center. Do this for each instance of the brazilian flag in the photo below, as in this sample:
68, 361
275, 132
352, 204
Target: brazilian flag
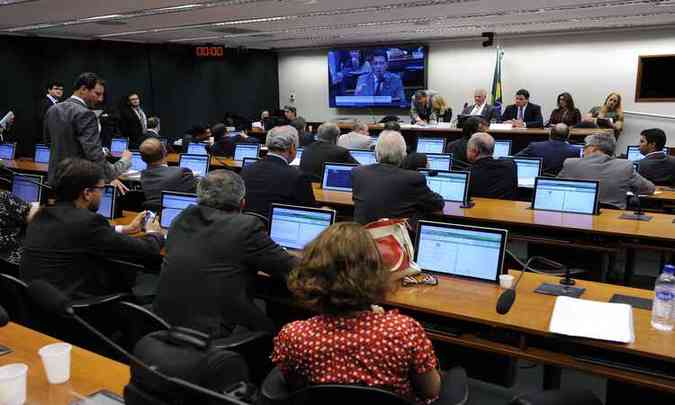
497, 81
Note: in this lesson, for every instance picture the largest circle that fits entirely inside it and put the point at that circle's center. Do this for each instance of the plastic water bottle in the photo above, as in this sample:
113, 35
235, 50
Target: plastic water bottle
663, 310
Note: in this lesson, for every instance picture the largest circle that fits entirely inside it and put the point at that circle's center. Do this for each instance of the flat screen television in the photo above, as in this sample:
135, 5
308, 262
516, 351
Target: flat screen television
382, 77
654, 79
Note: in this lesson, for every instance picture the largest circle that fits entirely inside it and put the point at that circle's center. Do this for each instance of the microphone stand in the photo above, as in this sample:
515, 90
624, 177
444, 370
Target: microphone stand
638, 214
29, 180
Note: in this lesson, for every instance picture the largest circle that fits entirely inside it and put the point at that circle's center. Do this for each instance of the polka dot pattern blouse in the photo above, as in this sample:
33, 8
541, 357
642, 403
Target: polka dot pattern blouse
379, 350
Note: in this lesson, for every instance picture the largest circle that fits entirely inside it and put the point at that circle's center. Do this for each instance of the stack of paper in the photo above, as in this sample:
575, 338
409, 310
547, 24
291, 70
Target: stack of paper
593, 319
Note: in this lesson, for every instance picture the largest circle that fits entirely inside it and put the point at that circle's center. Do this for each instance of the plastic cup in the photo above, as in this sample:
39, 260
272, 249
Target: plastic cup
505, 281
13, 384
56, 361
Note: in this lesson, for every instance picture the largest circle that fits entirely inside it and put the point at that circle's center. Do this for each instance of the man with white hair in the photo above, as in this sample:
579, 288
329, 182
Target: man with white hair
490, 178
272, 179
480, 107
213, 253
385, 190
324, 150
359, 138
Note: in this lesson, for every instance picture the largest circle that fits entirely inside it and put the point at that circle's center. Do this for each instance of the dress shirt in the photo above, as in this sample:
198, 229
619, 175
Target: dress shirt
478, 109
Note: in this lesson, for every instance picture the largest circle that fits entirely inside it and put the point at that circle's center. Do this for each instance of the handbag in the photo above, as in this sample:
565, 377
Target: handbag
395, 246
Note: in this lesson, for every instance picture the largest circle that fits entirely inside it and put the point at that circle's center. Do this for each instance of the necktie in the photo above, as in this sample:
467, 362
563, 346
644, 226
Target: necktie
378, 87
520, 113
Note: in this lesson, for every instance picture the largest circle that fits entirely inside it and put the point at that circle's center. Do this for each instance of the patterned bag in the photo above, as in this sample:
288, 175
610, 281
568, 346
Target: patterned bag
395, 246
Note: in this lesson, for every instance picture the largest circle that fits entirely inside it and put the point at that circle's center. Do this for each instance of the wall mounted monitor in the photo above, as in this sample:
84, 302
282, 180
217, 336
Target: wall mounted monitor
337, 176
27, 187
172, 204
460, 250
118, 146
242, 150
199, 164
566, 195
293, 227
439, 161
502, 149
197, 148
108, 202
41, 154
453, 186
528, 170
375, 77
7, 151
633, 153
430, 145
364, 157
654, 78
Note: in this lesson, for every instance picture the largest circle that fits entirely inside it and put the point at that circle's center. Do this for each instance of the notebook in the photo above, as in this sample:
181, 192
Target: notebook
593, 319
107, 204
430, 145
41, 154
118, 146
364, 157
172, 204
337, 176
7, 151
242, 150
502, 149
439, 161
452, 186
293, 227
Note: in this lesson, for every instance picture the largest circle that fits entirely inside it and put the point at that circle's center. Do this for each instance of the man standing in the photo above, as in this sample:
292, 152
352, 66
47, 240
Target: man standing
133, 121
74, 130
657, 166
480, 107
523, 114
54, 94
380, 82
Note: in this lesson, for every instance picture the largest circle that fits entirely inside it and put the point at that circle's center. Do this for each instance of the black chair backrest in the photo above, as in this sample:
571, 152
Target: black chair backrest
15, 300
137, 322
346, 394
10, 268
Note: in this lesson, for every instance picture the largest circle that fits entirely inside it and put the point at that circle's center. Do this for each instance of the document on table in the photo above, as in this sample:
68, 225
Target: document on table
593, 319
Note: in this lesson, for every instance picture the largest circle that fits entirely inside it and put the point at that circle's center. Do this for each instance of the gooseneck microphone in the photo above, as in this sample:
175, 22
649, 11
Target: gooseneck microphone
51, 300
4, 318
508, 297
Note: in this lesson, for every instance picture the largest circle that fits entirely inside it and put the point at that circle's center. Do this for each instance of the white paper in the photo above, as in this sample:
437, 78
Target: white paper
501, 127
593, 319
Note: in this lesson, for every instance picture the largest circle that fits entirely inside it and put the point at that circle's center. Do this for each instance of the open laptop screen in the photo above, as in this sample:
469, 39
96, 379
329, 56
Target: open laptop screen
23, 186
298, 156
633, 153
41, 154
248, 161
502, 149
118, 146
7, 151
197, 148
439, 161
364, 157
242, 150
430, 145
337, 176
294, 227
199, 164
137, 162
453, 186
107, 205
460, 250
528, 170
174, 203
565, 195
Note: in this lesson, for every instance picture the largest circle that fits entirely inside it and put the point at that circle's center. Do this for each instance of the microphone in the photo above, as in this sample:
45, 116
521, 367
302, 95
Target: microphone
51, 300
4, 318
508, 297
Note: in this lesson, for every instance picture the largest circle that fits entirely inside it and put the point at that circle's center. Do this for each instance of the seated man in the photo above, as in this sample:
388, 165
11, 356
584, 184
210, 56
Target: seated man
657, 166
490, 178
458, 146
213, 254
523, 114
359, 138
272, 179
616, 176
322, 151
67, 244
554, 151
305, 137
385, 190
159, 176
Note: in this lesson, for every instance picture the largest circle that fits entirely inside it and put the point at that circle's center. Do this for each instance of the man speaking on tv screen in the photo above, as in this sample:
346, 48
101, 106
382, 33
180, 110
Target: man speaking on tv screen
379, 82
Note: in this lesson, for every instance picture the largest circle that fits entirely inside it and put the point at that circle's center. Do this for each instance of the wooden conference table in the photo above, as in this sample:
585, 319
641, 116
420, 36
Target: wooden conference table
89, 372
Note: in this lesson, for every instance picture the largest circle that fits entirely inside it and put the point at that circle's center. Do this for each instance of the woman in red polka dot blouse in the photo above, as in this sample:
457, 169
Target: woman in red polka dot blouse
352, 342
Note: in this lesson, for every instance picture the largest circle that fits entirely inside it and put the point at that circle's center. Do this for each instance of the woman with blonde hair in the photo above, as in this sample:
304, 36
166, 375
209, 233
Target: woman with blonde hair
612, 109
440, 112
352, 341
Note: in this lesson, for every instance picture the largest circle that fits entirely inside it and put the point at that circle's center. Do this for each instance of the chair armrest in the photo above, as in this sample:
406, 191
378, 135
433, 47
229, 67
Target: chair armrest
240, 339
105, 299
274, 389
454, 387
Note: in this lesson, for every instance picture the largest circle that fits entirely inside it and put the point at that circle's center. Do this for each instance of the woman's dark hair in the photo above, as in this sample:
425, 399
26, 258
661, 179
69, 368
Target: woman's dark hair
218, 131
414, 161
341, 271
471, 126
569, 102
73, 176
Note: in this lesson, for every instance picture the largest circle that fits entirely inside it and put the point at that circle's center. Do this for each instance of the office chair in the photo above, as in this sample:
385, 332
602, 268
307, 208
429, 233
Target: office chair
10, 268
557, 397
255, 347
14, 298
136, 322
261, 217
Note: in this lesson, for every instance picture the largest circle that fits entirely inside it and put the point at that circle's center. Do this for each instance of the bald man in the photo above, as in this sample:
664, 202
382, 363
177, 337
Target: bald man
480, 107
159, 176
490, 178
554, 151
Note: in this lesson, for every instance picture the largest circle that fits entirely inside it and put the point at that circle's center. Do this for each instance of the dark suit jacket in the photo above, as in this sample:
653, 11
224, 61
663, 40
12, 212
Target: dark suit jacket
493, 178
43, 106
66, 246
386, 191
489, 112
659, 169
154, 180
208, 279
570, 118
273, 180
552, 152
131, 127
532, 115
458, 150
73, 131
318, 153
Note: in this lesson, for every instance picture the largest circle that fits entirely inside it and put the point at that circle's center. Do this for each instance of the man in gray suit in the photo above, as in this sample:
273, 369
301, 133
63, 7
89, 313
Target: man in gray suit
75, 132
616, 176
380, 82
480, 106
159, 176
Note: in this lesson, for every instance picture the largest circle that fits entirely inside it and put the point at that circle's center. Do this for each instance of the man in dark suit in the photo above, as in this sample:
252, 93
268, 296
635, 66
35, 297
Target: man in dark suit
53, 96
159, 176
67, 244
523, 114
379, 82
554, 151
213, 255
480, 107
490, 178
322, 151
385, 190
74, 130
272, 179
133, 121
458, 146
656, 166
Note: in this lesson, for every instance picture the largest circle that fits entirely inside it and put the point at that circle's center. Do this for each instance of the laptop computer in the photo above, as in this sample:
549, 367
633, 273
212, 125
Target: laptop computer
42, 153
137, 163
460, 250
24, 187
173, 203
633, 153
242, 150
453, 186
298, 156
566, 195
7, 151
528, 170
430, 145
199, 164
364, 157
439, 161
197, 148
502, 149
337, 176
580, 147
293, 227
118, 146
108, 202
248, 161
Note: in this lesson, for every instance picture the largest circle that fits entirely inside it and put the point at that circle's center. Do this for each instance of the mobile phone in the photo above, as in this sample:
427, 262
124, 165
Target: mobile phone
148, 218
